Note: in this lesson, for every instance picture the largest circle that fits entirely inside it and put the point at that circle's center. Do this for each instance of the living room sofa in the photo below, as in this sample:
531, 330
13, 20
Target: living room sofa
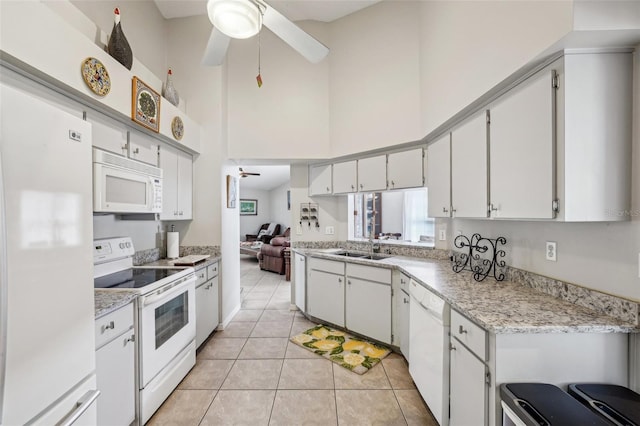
272, 255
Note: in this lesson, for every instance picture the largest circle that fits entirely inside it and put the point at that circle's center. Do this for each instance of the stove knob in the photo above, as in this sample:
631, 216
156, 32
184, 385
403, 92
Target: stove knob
128, 244
121, 245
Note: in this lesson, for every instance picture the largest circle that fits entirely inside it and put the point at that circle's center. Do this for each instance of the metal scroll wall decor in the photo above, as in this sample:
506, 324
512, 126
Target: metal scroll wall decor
482, 256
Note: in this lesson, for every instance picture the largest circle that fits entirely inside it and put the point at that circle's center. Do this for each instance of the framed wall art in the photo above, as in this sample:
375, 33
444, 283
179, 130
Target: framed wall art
145, 105
232, 191
248, 207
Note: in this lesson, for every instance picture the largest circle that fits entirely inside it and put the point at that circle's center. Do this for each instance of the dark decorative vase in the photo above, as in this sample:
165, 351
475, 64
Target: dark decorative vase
118, 46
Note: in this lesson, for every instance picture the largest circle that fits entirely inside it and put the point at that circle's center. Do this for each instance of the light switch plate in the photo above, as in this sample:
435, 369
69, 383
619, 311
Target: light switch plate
442, 235
298, 229
551, 251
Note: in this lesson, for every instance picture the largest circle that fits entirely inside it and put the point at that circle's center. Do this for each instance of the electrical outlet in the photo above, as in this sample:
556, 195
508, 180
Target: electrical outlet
551, 252
298, 229
442, 235
329, 230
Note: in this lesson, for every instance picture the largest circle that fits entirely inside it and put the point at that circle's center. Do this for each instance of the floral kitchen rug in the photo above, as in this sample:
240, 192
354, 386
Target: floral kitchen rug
350, 352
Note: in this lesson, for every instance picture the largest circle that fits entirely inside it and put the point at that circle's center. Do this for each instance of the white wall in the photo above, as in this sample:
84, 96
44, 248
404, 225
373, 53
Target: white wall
142, 24
288, 117
145, 234
333, 210
278, 211
250, 224
375, 78
467, 47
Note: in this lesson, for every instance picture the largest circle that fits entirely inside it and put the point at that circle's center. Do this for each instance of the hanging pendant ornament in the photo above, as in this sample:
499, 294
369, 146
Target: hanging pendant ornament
259, 76
170, 93
118, 46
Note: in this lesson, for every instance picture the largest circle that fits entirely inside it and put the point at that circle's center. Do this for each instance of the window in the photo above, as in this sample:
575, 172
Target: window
392, 215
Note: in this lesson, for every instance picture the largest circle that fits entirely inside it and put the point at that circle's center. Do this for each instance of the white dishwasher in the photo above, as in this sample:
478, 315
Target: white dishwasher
429, 350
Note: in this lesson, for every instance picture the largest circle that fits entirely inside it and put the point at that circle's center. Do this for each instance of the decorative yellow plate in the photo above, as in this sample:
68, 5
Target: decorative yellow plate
177, 128
96, 76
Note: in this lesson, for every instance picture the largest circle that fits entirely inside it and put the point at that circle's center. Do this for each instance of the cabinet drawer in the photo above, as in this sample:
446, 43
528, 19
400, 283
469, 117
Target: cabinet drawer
212, 270
330, 266
370, 273
113, 324
404, 283
201, 276
473, 336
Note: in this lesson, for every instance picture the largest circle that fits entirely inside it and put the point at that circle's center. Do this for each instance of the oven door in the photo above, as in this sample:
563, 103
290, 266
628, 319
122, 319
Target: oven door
167, 325
118, 190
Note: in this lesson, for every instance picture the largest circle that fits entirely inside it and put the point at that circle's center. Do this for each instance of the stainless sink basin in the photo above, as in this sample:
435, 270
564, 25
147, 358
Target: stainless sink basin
360, 255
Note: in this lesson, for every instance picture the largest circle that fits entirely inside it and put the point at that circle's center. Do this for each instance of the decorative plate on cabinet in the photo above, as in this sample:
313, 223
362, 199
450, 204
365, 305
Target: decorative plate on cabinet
177, 128
96, 76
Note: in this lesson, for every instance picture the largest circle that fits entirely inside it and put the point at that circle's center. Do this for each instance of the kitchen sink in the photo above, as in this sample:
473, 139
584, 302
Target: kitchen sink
360, 255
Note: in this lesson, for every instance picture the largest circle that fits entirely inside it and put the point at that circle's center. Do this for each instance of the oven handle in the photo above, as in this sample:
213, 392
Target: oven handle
165, 291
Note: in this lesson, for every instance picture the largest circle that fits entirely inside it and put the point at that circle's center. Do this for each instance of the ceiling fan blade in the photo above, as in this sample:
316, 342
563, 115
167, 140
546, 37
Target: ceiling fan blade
294, 36
216, 48
251, 174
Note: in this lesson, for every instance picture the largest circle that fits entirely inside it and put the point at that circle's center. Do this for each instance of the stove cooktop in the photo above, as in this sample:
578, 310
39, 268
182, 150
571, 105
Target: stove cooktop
134, 278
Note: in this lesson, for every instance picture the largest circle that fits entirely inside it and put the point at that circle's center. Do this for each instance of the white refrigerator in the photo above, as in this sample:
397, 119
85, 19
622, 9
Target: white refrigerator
47, 349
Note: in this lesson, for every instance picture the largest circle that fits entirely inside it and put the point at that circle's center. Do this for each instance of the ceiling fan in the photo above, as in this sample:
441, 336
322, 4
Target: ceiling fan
244, 19
244, 174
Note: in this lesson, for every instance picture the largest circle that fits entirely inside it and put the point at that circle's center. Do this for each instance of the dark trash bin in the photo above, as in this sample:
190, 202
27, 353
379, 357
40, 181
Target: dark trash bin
618, 404
542, 404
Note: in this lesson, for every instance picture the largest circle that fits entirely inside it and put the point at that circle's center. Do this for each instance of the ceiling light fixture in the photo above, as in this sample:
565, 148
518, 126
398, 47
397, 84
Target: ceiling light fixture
235, 18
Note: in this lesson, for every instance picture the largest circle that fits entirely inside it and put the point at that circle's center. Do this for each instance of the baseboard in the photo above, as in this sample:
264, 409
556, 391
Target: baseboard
293, 307
227, 320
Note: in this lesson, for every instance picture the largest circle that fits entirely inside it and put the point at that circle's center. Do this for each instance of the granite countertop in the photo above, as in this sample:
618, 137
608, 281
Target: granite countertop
169, 263
107, 301
501, 307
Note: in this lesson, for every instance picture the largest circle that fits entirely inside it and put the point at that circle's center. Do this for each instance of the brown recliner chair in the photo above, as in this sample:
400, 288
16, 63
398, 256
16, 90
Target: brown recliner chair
263, 236
271, 255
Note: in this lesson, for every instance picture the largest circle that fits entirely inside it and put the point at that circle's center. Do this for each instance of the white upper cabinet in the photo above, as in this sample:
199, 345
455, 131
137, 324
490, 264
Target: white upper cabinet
143, 148
345, 177
320, 180
405, 169
522, 154
469, 168
107, 133
177, 184
372, 174
439, 177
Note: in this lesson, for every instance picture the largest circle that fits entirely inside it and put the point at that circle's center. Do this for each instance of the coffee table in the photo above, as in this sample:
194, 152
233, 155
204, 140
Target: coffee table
246, 248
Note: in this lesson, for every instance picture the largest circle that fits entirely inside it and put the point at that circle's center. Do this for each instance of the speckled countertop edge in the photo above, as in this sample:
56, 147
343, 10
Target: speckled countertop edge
169, 263
107, 301
500, 307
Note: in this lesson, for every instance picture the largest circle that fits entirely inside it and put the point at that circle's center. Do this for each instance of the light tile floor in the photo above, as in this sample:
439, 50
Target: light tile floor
250, 374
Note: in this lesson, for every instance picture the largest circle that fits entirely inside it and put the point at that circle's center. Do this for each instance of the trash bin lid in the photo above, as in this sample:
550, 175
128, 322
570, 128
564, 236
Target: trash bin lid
542, 404
617, 403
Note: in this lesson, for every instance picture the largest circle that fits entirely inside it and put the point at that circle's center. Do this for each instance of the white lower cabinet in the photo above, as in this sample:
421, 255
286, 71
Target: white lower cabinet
368, 308
325, 294
115, 367
403, 308
467, 387
207, 304
300, 280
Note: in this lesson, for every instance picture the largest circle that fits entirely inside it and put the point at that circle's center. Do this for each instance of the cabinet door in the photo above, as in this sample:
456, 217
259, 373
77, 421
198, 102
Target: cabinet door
206, 310
368, 309
404, 169
107, 134
372, 174
185, 185
326, 296
143, 148
402, 304
169, 166
468, 389
115, 373
300, 277
439, 177
522, 151
320, 180
345, 177
469, 168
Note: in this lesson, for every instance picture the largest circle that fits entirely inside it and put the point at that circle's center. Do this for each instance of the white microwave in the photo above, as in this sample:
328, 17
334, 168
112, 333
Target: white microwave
122, 185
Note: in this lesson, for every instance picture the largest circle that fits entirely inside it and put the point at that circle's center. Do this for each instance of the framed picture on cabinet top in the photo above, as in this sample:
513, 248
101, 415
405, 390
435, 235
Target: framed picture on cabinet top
145, 105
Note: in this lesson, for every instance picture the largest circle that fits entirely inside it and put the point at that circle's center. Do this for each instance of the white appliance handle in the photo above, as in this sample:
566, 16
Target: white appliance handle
427, 310
168, 290
83, 405
4, 289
